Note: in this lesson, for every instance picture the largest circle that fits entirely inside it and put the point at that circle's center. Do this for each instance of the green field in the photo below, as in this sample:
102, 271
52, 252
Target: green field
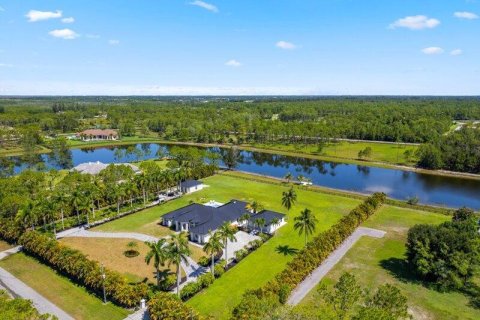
71, 298
378, 261
381, 152
261, 265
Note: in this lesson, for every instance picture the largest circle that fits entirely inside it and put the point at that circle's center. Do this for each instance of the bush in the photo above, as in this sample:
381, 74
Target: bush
204, 261
205, 280
219, 270
166, 306
309, 258
87, 272
240, 254
190, 289
168, 282
10, 231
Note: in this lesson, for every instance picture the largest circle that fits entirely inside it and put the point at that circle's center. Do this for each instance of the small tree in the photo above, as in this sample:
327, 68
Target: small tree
212, 247
289, 198
305, 223
159, 253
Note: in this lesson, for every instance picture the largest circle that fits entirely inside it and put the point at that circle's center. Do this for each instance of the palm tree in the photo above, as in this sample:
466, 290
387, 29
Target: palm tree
28, 215
142, 182
61, 198
260, 223
288, 177
77, 198
226, 232
254, 207
118, 192
289, 198
178, 251
275, 222
212, 247
159, 253
244, 218
305, 223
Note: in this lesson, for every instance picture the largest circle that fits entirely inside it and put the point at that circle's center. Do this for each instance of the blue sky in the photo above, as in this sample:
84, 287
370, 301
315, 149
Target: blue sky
163, 47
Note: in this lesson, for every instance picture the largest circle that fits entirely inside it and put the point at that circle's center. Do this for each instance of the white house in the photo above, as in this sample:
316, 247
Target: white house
189, 186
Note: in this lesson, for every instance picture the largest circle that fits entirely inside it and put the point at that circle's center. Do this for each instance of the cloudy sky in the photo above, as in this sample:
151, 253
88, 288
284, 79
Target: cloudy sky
175, 47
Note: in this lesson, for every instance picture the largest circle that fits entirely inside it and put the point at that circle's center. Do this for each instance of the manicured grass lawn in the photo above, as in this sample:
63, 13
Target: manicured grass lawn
4, 246
378, 261
381, 152
73, 299
263, 264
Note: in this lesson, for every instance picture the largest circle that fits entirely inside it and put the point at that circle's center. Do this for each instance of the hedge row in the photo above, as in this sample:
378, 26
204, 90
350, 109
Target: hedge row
166, 306
309, 258
78, 267
10, 231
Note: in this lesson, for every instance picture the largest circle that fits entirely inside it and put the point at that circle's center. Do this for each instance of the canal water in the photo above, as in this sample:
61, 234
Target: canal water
430, 189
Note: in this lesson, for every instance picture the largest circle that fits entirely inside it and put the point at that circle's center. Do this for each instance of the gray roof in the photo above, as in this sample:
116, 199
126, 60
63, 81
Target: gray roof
190, 183
205, 218
267, 215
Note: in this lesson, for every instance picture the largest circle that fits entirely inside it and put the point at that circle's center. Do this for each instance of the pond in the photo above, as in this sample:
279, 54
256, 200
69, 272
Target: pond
430, 189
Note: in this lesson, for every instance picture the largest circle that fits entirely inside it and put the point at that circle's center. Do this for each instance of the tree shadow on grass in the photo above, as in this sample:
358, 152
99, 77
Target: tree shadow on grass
400, 269
286, 250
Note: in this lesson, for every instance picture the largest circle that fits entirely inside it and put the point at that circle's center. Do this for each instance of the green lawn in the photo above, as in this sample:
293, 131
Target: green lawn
263, 264
378, 261
73, 299
381, 152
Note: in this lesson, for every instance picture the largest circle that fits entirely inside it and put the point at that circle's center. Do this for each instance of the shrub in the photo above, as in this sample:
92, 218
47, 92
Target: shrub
240, 254
205, 280
10, 231
204, 261
309, 258
189, 290
219, 270
168, 282
166, 306
82, 270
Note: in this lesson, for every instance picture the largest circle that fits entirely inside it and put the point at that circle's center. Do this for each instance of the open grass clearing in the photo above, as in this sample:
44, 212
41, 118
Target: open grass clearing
378, 261
73, 299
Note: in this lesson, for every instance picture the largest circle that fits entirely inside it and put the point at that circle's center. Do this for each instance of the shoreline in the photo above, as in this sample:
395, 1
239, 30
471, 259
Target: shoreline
247, 147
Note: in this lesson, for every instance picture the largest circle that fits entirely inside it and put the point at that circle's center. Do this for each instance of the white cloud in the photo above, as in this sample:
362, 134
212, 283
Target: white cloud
233, 63
68, 20
456, 52
113, 42
35, 15
204, 5
433, 50
93, 36
67, 34
466, 15
285, 45
415, 23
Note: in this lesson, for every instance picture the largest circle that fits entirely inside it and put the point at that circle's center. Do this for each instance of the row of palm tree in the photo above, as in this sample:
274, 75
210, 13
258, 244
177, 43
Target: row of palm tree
166, 252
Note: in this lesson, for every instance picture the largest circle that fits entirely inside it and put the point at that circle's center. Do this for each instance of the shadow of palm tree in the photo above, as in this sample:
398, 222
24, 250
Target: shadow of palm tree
286, 250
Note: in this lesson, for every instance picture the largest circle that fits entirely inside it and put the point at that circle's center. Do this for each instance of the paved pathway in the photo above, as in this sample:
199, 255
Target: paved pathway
8, 252
141, 314
20, 289
314, 278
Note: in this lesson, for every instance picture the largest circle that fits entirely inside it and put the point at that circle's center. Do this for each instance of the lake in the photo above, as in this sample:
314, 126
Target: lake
430, 189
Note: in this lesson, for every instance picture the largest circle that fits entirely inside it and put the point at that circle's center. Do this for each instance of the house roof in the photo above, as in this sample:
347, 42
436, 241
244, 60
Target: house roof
267, 215
99, 132
206, 218
95, 167
190, 183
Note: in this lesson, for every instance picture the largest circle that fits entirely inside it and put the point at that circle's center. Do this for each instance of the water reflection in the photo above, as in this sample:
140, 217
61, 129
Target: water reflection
399, 184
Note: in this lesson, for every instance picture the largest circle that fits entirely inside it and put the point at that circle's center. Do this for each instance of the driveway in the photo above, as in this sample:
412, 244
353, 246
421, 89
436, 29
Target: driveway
314, 278
243, 238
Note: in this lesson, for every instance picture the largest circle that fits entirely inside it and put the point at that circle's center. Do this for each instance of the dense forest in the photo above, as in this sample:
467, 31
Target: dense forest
258, 120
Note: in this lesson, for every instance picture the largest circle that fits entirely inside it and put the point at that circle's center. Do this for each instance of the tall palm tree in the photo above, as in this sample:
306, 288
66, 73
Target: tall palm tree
212, 247
77, 198
27, 216
275, 222
142, 182
260, 223
289, 198
159, 253
61, 197
118, 192
254, 207
288, 177
244, 218
305, 223
178, 252
226, 232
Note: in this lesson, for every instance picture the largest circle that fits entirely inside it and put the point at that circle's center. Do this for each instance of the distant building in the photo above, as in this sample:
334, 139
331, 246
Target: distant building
98, 134
94, 168
190, 186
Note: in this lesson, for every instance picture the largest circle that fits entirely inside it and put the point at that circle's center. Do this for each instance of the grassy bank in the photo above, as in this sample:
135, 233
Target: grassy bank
71, 298
378, 261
